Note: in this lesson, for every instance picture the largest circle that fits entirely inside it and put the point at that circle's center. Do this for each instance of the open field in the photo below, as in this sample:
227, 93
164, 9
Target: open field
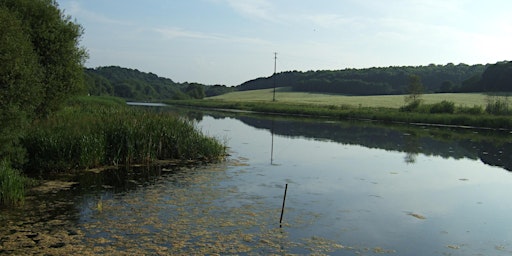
284, 95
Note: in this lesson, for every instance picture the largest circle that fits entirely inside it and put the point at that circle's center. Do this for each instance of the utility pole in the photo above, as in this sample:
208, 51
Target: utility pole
275, 66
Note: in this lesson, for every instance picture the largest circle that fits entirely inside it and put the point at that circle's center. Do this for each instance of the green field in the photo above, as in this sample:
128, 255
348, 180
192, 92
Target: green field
284, 95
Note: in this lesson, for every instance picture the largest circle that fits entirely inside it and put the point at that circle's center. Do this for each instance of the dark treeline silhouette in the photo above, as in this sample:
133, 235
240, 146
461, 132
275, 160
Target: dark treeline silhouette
133, 84
375, 81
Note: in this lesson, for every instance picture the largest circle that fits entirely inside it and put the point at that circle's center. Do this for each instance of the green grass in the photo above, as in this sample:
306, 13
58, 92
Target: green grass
437, 109
12, 185
284, 95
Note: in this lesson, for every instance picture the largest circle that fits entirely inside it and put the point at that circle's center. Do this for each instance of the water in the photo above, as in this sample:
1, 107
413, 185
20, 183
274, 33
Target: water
353, 189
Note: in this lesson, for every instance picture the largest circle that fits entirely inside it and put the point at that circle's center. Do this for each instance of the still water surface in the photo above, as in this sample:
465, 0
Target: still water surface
353, 189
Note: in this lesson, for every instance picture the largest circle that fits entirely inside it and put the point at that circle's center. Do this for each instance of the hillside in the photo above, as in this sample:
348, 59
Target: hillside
133, 84
374, 81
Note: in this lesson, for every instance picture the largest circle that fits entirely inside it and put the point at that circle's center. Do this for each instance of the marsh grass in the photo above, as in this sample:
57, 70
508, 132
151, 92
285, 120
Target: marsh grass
88, 137
12, 185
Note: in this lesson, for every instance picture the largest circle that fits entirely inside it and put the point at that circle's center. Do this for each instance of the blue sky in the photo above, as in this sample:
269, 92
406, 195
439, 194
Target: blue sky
232, 41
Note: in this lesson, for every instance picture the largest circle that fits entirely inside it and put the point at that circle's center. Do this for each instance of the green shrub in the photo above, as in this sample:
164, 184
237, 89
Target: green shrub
475, 110
411, 106
443, 107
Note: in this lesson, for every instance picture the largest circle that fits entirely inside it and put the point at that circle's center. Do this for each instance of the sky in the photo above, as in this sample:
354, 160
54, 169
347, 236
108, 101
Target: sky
229, 42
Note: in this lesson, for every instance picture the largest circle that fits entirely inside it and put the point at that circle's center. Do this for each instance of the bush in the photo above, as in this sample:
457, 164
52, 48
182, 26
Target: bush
475, 110
411, 106
443, 107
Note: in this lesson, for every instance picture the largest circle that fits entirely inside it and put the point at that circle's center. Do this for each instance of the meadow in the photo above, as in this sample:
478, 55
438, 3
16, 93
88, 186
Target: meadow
475, 110
285, 95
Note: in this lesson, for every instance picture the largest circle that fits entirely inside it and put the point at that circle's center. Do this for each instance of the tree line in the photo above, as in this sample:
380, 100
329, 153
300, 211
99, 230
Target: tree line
133, 84
379, 81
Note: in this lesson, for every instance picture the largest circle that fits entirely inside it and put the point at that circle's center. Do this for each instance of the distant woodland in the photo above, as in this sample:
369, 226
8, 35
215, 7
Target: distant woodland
136, 85
133, 84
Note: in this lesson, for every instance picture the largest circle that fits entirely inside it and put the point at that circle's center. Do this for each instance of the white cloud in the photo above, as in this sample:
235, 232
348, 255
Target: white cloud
175, 33
258, 9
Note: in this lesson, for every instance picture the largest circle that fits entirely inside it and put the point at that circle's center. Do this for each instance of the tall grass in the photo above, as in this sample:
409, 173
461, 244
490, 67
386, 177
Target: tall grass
87, 137
12, 185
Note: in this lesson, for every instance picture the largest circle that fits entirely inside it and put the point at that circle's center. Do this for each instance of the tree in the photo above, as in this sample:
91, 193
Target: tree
195, 91
40, 66
20, 84
54, 38
414, 89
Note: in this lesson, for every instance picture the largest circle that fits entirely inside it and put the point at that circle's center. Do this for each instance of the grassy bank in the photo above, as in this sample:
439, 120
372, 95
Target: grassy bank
471, 113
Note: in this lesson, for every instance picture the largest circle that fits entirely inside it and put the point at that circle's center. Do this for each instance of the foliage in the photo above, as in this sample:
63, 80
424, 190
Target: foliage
497, 105
411, 105
475, 110
443, 107
12, 184
54, 39
133, 84
497, 78
369, 81
195, 91
114, 136
40, 66
414, 89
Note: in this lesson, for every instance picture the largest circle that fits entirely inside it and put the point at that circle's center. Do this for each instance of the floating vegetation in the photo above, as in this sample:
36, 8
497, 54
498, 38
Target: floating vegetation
417, 216
180, 213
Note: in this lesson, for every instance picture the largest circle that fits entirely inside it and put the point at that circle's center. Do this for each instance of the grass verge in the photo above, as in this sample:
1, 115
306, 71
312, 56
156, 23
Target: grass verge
461, 116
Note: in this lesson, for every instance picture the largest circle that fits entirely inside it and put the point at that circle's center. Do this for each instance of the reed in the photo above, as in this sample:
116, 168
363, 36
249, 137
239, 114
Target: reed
12, 185
88, 137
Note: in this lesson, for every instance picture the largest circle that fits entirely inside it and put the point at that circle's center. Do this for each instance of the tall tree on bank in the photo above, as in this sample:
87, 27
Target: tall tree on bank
414, 89
55, 40
41, 65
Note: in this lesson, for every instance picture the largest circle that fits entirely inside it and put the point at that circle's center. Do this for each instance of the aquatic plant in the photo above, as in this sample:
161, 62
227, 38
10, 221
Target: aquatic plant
88, 137
12, 185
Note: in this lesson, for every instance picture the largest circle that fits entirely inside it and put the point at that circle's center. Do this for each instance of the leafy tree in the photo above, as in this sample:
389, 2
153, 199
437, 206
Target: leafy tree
195, 91
497, 77
20, 84
414, 89
55, 40
40, 66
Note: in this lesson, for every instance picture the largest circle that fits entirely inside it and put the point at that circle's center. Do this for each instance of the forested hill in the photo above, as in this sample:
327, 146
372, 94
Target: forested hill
372, 81
133, 84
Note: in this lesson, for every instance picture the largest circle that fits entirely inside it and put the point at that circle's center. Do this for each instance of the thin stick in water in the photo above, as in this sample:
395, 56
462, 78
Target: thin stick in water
282, 208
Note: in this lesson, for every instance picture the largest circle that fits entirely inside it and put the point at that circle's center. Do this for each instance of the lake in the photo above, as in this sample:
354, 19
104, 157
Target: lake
354, 188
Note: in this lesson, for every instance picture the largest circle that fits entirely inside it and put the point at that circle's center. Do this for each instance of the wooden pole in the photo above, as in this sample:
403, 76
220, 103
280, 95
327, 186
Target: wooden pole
282, 208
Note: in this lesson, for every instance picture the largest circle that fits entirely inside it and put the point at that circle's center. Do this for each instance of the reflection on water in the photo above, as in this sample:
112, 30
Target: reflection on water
354, 189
